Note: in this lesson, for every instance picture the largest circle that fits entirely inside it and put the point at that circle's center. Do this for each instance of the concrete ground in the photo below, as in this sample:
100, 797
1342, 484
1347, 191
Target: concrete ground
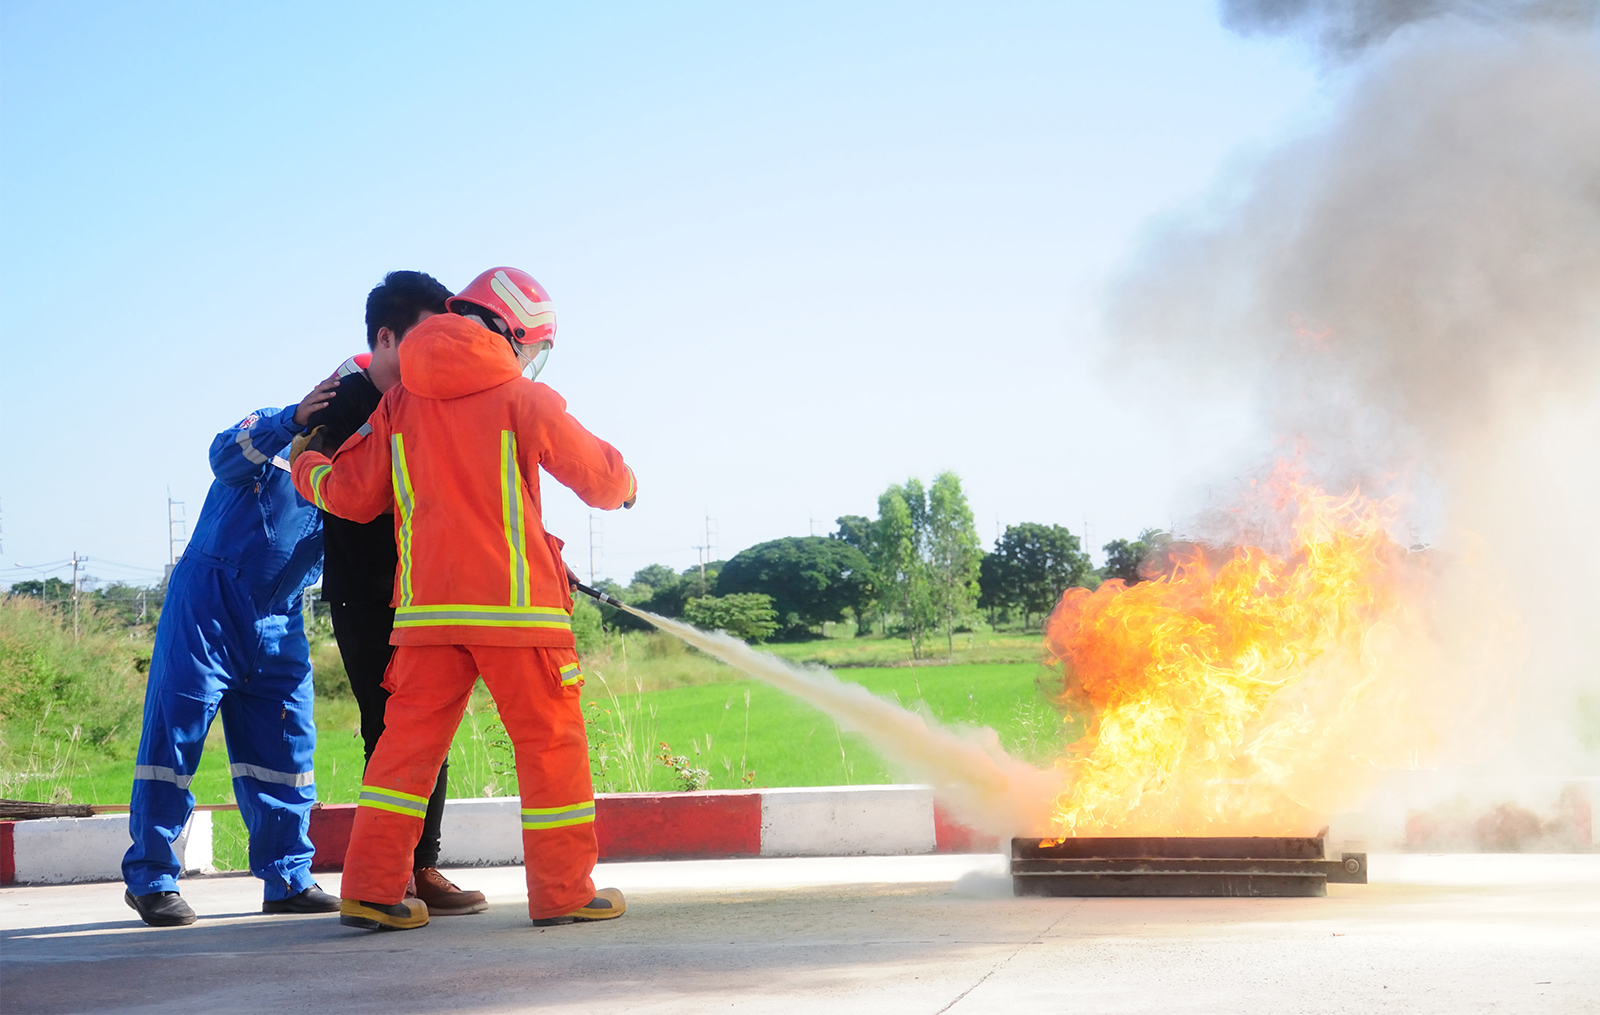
924, 934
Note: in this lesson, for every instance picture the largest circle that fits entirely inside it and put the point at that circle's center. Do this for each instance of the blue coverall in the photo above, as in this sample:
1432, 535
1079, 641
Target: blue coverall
231, 636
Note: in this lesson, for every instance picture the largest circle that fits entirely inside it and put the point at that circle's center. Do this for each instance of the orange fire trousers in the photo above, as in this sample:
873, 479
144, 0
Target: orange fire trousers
536, 692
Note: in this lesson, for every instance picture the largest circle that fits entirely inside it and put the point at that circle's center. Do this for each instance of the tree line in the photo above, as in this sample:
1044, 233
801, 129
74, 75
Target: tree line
917, 570
117, 603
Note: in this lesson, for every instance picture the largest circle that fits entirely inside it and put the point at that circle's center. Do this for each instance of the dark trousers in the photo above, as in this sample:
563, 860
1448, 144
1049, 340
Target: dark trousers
362, 631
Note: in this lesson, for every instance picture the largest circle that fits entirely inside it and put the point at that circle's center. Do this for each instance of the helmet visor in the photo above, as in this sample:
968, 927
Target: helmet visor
533, 360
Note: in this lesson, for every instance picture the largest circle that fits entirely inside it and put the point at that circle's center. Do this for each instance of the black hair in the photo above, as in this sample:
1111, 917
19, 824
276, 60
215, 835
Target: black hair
400, 300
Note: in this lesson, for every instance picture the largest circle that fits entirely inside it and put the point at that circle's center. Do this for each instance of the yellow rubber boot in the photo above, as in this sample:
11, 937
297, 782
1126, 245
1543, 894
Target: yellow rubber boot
407, 914
607, 904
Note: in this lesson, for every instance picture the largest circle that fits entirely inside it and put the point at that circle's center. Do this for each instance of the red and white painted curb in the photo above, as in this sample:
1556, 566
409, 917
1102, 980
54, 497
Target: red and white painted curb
820, 821
56, 851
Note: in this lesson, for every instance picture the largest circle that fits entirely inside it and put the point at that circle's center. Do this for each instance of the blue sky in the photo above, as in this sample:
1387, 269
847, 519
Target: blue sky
799, 252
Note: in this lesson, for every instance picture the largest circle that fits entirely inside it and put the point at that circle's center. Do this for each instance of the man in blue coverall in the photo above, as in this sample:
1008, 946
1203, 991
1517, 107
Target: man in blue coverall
231, 637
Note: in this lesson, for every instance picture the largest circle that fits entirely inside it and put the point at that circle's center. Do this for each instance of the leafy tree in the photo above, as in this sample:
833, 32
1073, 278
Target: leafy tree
925, 556
586, 624
1128, 560
660, 589
117, 602
1123, 557
811, 579
747, 615
995, 586
855, 530
51, 590
128, 605
655, 576
621, 620
953, 553
897, 560
1030, 567
702, 581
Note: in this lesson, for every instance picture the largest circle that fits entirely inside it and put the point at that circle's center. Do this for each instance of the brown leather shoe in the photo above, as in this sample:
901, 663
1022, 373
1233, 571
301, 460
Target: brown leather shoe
444, 898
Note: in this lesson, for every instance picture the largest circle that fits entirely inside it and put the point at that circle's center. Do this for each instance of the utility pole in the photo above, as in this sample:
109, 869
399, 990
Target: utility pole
142, 610
173, 519
76, 560
705, 551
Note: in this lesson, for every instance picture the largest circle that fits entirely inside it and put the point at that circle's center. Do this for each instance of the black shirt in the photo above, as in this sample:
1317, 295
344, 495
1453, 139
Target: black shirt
358, 559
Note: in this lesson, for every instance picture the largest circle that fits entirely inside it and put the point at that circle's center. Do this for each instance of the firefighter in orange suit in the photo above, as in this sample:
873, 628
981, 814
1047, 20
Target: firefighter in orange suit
455, 450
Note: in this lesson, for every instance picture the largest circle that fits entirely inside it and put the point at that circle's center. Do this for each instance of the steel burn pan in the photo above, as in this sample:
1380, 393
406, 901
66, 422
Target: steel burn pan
1238, 867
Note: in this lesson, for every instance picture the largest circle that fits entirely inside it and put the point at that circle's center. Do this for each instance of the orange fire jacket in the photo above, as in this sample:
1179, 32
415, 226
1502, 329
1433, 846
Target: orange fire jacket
455, 449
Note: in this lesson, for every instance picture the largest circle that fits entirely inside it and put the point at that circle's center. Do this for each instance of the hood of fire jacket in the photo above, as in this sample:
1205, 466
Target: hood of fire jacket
448, 356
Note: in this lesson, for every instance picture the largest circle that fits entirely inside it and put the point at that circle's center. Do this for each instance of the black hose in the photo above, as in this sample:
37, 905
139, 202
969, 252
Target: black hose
599, 596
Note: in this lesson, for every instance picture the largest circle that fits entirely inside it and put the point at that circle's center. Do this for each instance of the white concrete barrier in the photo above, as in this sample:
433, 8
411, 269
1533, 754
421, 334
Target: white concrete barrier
847, 821
809, 821
804, 822
481, 832
54, 851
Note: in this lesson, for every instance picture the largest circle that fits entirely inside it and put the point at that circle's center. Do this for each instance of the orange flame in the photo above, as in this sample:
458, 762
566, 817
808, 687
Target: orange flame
1227, 697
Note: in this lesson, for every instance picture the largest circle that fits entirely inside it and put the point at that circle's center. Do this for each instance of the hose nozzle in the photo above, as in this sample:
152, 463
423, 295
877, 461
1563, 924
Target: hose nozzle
599, 596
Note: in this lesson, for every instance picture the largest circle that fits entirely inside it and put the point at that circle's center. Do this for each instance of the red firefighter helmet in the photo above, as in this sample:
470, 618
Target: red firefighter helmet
514, 296
355, 364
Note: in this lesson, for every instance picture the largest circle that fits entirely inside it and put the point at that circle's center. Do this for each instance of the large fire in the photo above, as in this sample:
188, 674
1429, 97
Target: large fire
1243, 691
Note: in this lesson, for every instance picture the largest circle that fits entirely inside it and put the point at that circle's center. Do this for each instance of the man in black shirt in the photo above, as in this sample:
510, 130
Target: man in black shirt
359, 559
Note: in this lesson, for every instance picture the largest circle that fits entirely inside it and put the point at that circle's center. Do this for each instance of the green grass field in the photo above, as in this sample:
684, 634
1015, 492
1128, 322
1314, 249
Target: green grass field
726, 729
69, 717
643, 690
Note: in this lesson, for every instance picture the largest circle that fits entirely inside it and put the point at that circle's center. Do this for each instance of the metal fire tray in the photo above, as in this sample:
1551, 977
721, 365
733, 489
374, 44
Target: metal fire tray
1259, 866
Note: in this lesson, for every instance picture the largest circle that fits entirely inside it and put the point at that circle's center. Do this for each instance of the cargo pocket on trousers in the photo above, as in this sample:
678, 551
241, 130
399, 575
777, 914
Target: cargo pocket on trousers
568, 675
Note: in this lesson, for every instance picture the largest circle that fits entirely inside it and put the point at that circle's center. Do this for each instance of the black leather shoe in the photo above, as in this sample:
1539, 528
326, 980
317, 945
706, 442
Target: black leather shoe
312, 900
160, 909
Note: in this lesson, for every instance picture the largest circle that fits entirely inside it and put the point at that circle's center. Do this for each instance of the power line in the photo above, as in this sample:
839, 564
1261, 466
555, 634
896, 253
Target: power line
54, 565
131, 573
129, 567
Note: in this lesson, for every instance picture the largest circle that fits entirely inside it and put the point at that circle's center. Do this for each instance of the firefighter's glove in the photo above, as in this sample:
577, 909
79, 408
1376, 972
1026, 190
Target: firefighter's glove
311, 440
629, 502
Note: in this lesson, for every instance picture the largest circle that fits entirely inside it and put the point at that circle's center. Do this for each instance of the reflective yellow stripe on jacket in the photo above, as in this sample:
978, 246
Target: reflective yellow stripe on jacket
571, 674
405, 500
466, 615
518, 611
512, 514
318, 474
